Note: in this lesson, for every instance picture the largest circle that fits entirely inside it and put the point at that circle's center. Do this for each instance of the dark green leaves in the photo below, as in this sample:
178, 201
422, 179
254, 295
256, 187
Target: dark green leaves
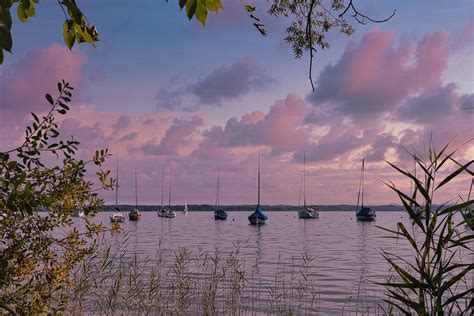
437, 273
25, 10
69, 33
6, 42
76, 28
49, 98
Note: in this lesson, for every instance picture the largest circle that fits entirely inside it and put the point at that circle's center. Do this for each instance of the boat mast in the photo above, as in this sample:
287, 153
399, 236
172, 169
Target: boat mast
361, 181
169, 198
363, 178
162, 186
304, 178
116, 185
258, 180
217, 192
136, 190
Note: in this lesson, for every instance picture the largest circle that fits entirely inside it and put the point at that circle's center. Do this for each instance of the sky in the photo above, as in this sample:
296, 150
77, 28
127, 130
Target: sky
163, 92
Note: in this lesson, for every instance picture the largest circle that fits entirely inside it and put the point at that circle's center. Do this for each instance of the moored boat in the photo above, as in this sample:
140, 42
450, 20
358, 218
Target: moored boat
117, 216
135, 214
218, 213
363, 213
185, 211
165, 212
258, 217
307, 212
79, 213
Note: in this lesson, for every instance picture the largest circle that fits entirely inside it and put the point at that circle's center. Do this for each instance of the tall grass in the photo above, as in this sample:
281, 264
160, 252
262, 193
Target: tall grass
435, 280
200, 282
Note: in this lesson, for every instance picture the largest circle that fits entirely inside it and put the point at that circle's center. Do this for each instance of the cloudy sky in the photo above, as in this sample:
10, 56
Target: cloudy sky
160, 91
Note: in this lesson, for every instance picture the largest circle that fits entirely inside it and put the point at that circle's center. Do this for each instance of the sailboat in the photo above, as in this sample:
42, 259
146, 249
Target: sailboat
364, 213
135, 214
185, 211
307, 212
218, 214
165, 211
258, 217
79, 213
117, 216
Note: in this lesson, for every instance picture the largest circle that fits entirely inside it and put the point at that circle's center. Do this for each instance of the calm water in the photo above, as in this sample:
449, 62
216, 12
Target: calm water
346, 252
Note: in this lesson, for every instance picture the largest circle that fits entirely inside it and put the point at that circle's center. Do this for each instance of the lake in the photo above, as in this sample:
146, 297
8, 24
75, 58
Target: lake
342, 257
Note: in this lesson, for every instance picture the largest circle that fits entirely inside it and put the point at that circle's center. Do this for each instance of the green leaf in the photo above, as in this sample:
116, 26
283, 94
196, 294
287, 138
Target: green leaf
201, 12
69, 33
74, 12
249, 8
182, 3
21, 11
35, 117
83, 34
5, 38
456, 207
454, 174
191, 6
64, 106
49, 98
213, 5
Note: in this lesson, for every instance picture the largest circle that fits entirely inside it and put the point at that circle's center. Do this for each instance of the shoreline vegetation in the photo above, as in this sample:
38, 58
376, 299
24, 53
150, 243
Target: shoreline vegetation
246, 208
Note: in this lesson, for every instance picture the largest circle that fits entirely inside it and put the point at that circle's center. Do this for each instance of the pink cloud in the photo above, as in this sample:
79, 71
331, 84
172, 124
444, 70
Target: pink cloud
464, 37
374, 76
178, 138
23, 85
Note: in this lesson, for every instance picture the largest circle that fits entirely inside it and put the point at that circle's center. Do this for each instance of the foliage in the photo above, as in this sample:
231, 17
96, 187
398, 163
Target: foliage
434, 282
199, 8
76, 27
38, 250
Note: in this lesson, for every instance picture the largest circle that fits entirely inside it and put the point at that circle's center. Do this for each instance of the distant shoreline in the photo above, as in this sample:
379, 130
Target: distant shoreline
246, 208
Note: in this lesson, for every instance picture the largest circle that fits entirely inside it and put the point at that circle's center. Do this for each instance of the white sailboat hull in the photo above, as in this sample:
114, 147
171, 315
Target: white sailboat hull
117, 217
166, 213
308, 213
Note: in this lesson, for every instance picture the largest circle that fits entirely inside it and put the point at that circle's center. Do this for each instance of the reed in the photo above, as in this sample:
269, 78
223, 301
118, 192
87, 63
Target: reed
433, 280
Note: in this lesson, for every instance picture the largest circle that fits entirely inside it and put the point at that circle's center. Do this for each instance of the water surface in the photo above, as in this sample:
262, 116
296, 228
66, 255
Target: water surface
345, 253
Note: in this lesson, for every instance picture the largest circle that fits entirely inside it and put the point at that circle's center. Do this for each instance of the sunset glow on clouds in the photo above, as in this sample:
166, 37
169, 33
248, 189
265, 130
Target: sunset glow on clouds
380, 92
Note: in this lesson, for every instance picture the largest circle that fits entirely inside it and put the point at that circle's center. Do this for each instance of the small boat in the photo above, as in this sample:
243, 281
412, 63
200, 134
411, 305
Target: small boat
117, 216
364, 213
135, 214
185, 211
219, 214
79, 213
307, 212
258, 217
166, 212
